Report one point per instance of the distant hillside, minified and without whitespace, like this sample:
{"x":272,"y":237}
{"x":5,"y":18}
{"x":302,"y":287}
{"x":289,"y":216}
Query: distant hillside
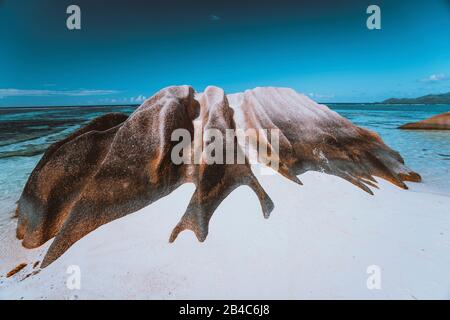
{"x":428,"y":99}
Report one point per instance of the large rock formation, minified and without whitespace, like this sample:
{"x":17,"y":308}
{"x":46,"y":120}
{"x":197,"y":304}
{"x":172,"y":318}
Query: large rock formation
{"x":438,"y":122}
{"x":117,"y":165}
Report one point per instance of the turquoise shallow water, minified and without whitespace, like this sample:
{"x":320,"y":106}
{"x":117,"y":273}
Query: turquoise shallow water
{"x":426,"y":152}
{"x":26,"y":133}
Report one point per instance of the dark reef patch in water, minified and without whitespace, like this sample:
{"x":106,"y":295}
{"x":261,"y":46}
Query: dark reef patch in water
{"x":26,"y":132}
{"x":16,"y":131}
{"x":27,"y":152}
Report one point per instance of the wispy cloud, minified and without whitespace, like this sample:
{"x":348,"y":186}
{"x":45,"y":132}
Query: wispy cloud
{"x":319,"y":96}
{"x":435,"y":78}
{"x":35,"y":92}
{"x":125,"y":100}
{"x":138,"y":99}
{"x":213,"y":17}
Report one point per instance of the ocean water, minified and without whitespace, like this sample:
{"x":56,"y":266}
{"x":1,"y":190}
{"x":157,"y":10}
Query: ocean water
{"x":25,"y":133}
{"x":424,"y":151}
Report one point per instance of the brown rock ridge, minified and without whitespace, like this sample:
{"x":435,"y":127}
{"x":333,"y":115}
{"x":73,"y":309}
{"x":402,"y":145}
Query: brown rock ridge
{"x":117,"y":165}
{"x":438,"y":122}
{"x":17,"y":269}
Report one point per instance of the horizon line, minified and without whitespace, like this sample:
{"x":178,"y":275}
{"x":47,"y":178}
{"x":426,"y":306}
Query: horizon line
{"x":136,"y":105}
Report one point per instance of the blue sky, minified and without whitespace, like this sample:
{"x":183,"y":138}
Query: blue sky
{"x":127,"y":50}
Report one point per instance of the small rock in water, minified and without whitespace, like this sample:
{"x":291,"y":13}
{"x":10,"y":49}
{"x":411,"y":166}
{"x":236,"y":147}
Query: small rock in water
{"x":16,"y":269}
{"x":438,"y":122}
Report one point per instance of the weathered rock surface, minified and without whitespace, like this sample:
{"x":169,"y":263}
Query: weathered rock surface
{"x":313,"y":137}
{"x":17,"y":269}
{"x":117,"y":165}
{"x":438,"y":122}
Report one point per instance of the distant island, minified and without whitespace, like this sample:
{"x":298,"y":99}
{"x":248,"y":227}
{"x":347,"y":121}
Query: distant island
{"x":428,"y":99}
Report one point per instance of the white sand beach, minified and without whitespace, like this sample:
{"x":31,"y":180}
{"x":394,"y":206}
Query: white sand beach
{"x":318,"y":243}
